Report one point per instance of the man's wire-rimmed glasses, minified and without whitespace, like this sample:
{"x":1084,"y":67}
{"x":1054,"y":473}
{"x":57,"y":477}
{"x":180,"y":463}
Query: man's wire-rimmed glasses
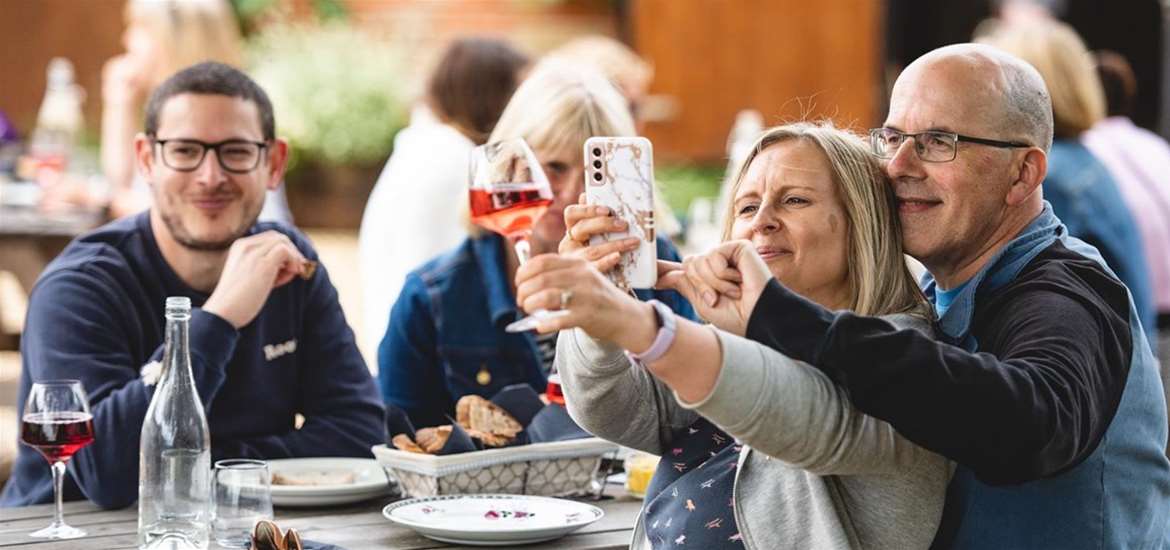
{"x":234,"y":155}
{"x":931,"y":145}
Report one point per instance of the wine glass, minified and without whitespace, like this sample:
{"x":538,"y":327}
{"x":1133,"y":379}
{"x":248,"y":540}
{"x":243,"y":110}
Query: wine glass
{"x":57,"y":423}
{"x":509,"y":192}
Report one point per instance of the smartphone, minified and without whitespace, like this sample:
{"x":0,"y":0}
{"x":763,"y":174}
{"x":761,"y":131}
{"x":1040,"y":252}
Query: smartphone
{"x":619,"y":174}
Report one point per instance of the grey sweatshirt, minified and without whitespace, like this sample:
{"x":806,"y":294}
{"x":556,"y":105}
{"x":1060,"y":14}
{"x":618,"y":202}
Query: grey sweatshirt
{"x":813,"y":472}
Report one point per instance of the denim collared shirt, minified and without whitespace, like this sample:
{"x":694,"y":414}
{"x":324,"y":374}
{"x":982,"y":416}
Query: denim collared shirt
{"x":446,"y":335}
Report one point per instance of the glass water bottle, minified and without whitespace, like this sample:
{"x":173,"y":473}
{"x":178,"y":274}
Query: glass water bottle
{"x":174,"y":461}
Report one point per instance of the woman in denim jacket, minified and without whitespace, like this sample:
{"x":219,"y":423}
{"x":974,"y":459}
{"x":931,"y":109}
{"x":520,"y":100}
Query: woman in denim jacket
{"x":446,"y":335}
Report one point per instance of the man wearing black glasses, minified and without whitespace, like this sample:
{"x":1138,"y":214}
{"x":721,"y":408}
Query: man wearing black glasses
{"x":268,"y":338}
{"x":1043,"y":388}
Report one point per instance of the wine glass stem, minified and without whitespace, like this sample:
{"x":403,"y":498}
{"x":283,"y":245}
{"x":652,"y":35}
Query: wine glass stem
{"x":523,"y":250}
{"x":58,"y":488}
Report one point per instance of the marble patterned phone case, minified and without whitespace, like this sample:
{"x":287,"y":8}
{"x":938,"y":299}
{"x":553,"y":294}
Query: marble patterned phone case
{"x":619,"y":174}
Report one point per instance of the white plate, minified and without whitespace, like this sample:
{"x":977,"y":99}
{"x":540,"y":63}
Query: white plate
{"x":369,"y":481}
{"x":492,"y":520}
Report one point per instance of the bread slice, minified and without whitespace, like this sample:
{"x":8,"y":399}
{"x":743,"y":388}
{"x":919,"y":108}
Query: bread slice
{"x":477,"y":414}
{"x":403,"y":442}
{"x":490,"y":439}
{"x":432,"y":439}
{"x":314,"y":477}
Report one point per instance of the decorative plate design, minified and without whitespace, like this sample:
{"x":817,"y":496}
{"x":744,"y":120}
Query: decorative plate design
{"x":492,"y":520}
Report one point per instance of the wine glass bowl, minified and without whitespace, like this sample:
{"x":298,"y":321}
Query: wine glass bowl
{"x":57,"y":435}
{"x":57,"y":423}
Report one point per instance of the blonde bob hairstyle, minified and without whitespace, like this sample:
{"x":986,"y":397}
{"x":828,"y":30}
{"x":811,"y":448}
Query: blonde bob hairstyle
{"x":187,"y":32}
{"x":879,"y":281}
{"x":1067,"y":66}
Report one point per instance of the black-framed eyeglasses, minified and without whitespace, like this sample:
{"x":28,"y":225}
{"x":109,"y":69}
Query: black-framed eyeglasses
{"x":234,"y":155}
{"x":931,"y":145}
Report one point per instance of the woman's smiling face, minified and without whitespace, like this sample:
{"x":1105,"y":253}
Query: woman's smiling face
{"x":788,"y":206}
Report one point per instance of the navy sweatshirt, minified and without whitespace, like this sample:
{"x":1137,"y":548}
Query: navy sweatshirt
{"x":96,"y":315}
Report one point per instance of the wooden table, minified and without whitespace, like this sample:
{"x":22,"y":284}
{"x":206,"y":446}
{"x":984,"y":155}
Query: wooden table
{"x":357,"y":527}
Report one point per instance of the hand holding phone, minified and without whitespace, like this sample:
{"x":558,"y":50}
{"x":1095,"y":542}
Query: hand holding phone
{"x":619,"y":174}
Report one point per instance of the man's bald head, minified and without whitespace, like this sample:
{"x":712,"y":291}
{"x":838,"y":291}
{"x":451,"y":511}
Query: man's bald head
{"x":1006,"y":93}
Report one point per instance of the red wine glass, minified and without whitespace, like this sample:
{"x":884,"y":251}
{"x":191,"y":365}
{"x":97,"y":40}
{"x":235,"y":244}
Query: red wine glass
{"x":57,"y":423}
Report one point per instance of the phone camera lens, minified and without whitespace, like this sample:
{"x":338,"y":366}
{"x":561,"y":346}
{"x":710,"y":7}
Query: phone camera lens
{"x":597,"y":151}
{"x":597,"y":164}
{"x":597,"y":176}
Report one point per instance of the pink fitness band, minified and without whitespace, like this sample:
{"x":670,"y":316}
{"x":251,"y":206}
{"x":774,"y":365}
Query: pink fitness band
{"x":662,"y":341}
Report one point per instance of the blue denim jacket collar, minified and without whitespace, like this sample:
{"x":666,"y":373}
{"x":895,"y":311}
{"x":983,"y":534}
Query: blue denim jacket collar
{"x":493,"y":265}
{"x":1003,"y":267}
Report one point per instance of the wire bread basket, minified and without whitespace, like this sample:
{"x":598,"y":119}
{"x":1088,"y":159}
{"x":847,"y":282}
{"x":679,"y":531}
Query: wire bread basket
{"x":560,"y":468}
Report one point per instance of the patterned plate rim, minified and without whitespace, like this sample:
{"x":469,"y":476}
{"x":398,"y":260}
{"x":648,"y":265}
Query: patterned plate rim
{"x":593,"y":513}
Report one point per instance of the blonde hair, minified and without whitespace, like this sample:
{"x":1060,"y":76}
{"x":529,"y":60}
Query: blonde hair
{"x":558,"y":107}
{"x":187,"y":32}
{"x":616,"y":61}
{"x":879,"y":281}
{"x":1061,"y":58}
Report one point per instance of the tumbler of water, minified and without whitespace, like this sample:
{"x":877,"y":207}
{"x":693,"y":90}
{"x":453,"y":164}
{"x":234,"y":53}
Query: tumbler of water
{"x":243,"y":496}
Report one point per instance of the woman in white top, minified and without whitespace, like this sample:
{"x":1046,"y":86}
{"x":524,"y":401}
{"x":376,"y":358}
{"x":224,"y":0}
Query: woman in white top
{"x":412,"y":213}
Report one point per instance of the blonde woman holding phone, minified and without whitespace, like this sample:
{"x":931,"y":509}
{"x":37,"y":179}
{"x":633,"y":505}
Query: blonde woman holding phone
{"x":758,"y":450}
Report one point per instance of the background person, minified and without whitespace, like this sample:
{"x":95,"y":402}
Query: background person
{"x":631,"y":75}
{"x":1140,"y":163}
{"x":409,"y":217}
{"x":446,"y":335}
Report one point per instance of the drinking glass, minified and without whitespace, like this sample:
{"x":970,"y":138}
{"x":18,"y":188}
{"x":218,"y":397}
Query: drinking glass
{"x":243,"y":496}
{"x":57,"y":423}
{"x":509,"y":193}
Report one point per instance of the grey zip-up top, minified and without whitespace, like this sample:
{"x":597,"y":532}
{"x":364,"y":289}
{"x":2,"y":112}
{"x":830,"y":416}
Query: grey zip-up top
{"x":813,"y":472}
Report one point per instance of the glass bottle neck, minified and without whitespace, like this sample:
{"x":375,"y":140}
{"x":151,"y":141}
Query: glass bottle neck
{"x":176,"y":355}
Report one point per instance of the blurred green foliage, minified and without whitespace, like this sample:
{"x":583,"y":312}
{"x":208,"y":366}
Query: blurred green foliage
{"x":253,"y":13}
{"x":336,"y":91}
{"x":681,"y":183}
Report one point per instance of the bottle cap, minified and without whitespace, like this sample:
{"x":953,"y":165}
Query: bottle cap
{"x":178,"y":305}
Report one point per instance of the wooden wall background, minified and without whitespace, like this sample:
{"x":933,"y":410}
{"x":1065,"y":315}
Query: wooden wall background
{"x":785,"y":58}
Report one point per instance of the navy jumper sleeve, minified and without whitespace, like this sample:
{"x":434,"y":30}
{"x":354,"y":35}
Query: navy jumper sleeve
{"x":75,"y":329}
{"x":1054,"y":354}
